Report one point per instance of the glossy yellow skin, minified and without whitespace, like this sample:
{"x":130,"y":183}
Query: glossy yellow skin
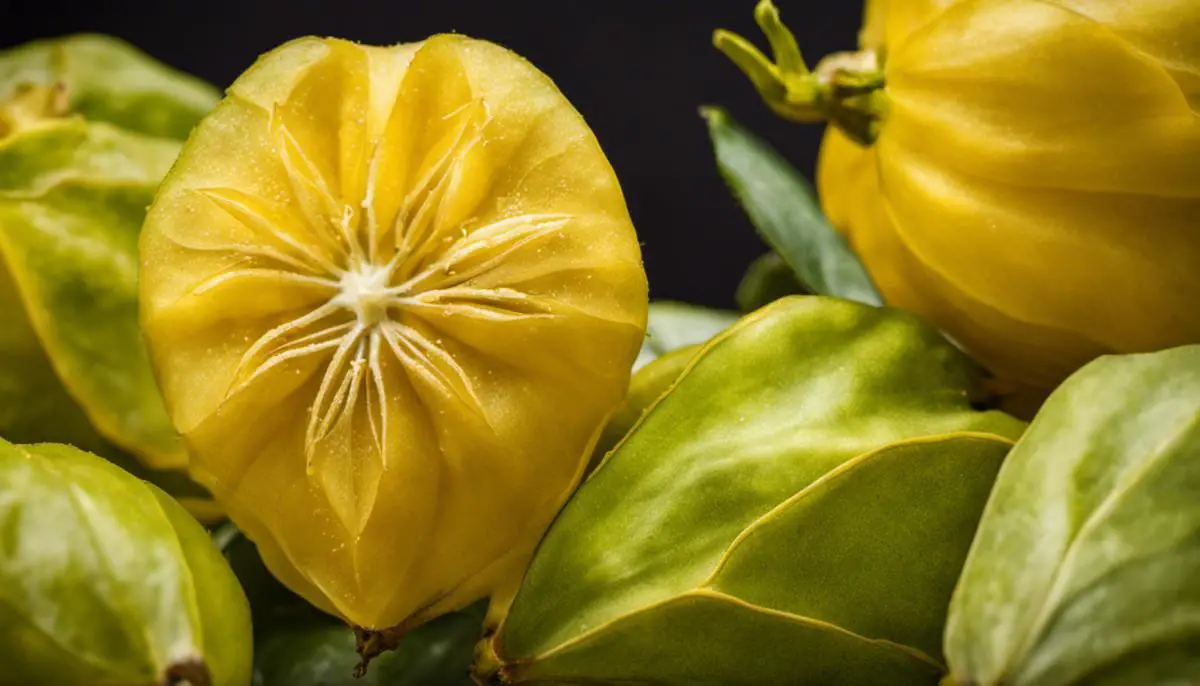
{"x":1035,"y":186}
{"x":392,"y":294}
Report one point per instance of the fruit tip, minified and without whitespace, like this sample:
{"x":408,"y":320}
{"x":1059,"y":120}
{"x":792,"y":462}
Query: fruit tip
{"x":191,"y":670}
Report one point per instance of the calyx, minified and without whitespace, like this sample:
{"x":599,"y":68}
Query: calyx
{"x":845,"y":89}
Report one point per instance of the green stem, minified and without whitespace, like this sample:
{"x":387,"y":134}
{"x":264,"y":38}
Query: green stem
{"x":487,"y":667}
{"x":846,"y":89}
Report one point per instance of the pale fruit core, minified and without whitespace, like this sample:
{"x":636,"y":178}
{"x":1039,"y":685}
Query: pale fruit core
{"x":364,"y":290}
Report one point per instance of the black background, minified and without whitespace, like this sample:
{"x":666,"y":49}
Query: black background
{"x":637,"y":70}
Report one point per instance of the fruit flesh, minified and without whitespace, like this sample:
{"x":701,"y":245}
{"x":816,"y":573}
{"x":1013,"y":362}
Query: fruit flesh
{"x":391,"y":294}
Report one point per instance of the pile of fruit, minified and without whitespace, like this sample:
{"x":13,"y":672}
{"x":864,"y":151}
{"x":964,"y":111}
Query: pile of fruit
{"x":373,"y":391}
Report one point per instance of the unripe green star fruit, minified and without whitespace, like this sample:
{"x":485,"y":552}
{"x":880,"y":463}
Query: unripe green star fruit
{"x":105,"y":579}
{"x":794,"y":509}
{"x":674,"y":332}
{"x":392,"y":293}
{"x":1086,"y":567}
{"x":646,"y":386}
{"x":88,"y":127}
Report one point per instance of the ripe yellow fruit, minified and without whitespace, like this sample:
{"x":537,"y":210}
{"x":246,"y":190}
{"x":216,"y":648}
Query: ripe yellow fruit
{"x":1023,"y":173}
{"x":392,"y":294}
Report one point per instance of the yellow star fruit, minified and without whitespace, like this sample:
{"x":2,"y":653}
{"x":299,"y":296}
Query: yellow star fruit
{"x":391,"y":294}
{"x":1023,"y":173}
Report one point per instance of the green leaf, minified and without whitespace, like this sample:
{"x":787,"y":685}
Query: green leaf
{"x":767,"y":279}
{"x":1086,"y":569}
{"x":782,"y":206}
{"x":323,"y":654}
{"x":795,"y":509}
{"x":106,"y":579}
{"x":674,"y":325}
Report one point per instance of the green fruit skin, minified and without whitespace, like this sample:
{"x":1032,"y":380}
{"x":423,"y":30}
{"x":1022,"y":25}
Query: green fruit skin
{"x":74,"y":187}
{"x":74,"y":196}
{"x":1086,"y":569}
{"x":108,"y":80}
{"x":674,"y":333}
{"x":795,"y":509}
{"x":105,"y":579}
{"x":646,"y":386}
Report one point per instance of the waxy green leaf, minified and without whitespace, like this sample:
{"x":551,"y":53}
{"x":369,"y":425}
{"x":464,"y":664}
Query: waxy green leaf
{"x":323,"y":654}
{"x":674,"y":325}
{"x":104,"y":579}
{"x":783,"y":207}
{"x":795,"y":509}
{"x":766,"y":280}
{"x":1086,"y":569}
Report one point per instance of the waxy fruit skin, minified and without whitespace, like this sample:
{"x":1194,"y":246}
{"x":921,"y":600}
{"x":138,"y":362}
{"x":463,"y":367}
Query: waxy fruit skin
{"x":392,"y":295}
{"x":1084,"y":570}
{"x":88,"y":127}
{"x":105,"y":579}
{"x":794,"y":508}
{"x":1035,"y":186}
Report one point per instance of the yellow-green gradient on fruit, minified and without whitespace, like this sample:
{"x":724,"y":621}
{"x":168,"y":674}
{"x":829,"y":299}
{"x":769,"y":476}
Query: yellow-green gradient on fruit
{"x":1084,"y":569}
{"x":105,"y":579}
{"x":794,"y":508}
{"x":88,"y":127}
{"x":1034,"y":184}
{"x":392,"y":294}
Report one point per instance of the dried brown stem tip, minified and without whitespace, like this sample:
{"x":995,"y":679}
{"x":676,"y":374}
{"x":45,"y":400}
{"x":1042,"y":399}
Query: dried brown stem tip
{"x":190,"y":672}
{"x":371,"y":644}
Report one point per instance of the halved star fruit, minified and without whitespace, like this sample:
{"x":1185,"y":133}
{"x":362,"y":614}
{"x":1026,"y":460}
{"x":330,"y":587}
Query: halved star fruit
{"x":392,"y":294}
